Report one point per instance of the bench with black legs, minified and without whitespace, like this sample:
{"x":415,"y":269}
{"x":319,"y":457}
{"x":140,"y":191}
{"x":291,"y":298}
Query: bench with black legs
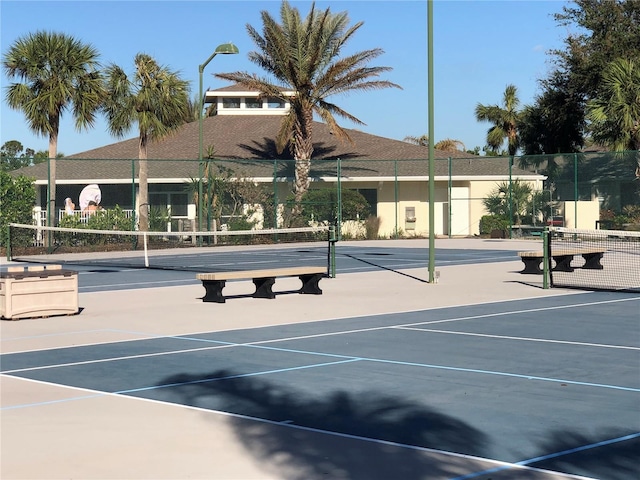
{"x":263,"y":280}
{"x":562,"y":259}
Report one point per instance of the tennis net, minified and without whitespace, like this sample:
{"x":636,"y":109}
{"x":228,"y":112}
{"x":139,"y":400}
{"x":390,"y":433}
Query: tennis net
{"x":189,"y":251}
{"x":594,"y":259}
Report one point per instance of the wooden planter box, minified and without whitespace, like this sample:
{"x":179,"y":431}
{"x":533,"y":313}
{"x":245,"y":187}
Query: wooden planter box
{"x":38,"y":292}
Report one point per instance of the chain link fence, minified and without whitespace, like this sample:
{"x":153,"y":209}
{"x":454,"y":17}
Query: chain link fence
{"x":492,"y":196}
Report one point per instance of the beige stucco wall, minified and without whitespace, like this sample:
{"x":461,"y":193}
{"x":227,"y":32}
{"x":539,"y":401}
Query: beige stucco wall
{"x":415,"y":194}
{"x":394,"y":200}
{"x":588,"y":213}
{"x":478,"y":191}
{"x":410,"y":195}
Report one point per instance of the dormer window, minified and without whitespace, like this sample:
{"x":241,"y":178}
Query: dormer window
{"x":275,"y":103}
{"x":253,"y":102}
{"x":235,"y":100}
{"x":231,"y":102}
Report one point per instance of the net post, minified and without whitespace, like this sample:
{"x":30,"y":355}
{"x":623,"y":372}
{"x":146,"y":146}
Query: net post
{"x":546,"y":248}
{"x":332,"y":251}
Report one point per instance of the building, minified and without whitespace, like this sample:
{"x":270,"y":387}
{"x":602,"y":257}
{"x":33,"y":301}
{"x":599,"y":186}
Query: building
{"x":391,"y":174}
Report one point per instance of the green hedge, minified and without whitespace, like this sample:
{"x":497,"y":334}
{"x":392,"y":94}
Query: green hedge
{"x":490,"y":223}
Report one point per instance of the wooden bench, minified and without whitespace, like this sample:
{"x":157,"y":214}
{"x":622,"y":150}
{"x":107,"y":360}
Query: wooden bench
{"x":263,"y":280}
{"x":562,"y":258}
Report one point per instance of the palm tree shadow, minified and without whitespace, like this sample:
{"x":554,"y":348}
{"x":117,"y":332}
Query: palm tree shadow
{"x":306,"y":437}
{"x":323,"y":163}
{"x":615,"y":461}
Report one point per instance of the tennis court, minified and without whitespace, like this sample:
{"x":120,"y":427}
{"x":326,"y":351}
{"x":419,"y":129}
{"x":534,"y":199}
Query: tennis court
{"x":484,"y":375}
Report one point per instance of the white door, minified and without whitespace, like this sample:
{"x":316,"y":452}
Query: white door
{"x":459,"y":211}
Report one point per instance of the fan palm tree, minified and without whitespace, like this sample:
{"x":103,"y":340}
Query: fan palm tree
{"x":156,"y":99}
{"x":303,"y":55}
{"x":505,"y":120}
{"x":615,"y":112}
{"x":57,"y":73}
{"x":508,"y":199}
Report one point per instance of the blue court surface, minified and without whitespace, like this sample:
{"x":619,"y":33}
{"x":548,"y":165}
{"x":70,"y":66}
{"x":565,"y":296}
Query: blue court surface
{"x":548,"y":383}
{"x":101,"y":274}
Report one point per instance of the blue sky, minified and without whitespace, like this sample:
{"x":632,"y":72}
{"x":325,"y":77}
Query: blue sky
{"x":479,"y":47}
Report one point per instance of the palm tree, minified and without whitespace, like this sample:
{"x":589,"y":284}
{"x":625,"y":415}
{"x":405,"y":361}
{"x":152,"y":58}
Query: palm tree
{"x":304,"y":56}
{"x":446,"y":145}
{"x":193,"y":110}
{"x":450,"y":145}
{"x":422,"y":140}
{"x":56,"y":73}
{"x":510,"y":199}
{"x":156,"y":99}
{"x":615,"y":112}
{"x":505,"y":120}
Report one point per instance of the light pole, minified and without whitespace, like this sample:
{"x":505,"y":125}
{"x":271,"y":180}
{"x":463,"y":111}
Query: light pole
{"x":224,"y":49}
{"x":432,"y":264}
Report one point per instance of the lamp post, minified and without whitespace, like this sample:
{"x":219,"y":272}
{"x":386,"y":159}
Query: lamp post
{"x":432,"y":188}
{"x":224,"y":49}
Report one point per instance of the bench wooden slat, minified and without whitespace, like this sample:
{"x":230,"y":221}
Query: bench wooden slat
{"x":264,"y":273}
{"x":263,"y":280}
{"x":558,"y":252}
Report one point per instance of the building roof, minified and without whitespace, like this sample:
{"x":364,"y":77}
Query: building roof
{"x":246,"y":145}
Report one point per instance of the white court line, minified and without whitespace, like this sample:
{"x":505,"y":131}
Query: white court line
{"x":124,"y":357}
{"x":431,"y":322}
{"x":287,"y":424}
{"x":399,"y":312}
{"x":412,"y":265}
{"x":59,"y":334}
{"x":526,"y":339}
{"x":146,"y":284}
{"x":262,"y":343}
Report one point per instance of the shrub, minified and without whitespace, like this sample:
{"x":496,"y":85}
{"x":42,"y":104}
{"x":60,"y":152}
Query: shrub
{"x":321,"y":205}
{"x":628,"y":217}
{"x":159,"y":218}
{"x":490,"y":223}
{"x":17,"y":198}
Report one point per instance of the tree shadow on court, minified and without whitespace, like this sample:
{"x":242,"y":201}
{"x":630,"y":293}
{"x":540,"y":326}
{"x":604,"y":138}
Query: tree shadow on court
{"x":617,"y":461}
{"x":292,"y":441}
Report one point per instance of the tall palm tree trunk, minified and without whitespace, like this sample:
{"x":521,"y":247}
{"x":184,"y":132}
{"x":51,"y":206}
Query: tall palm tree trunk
{"x":302,"y":152}
{"x":51,"y":201}
{"x":51,"y":205}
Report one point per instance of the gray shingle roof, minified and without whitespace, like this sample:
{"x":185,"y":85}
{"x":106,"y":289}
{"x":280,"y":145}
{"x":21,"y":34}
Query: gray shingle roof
{"x":249,"y":142}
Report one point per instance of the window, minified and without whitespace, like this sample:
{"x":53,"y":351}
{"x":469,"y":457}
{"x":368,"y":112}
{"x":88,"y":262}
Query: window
{"x":371,"y":194}
{"x":230,"y":103}
{"x":253,"y":103}
{"x":275,"y":103}
{"x":163,"y":197}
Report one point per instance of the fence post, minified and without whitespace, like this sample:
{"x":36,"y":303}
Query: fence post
{"x":275,"y":194}
{"x":450,"y":202}
{"x":510,"y":197}
{"x":339,"y":193}
{"x":546,"y":258}
{"x":133,"y":194}
{"x":395,"y":196}
{"x":575,"y":190}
